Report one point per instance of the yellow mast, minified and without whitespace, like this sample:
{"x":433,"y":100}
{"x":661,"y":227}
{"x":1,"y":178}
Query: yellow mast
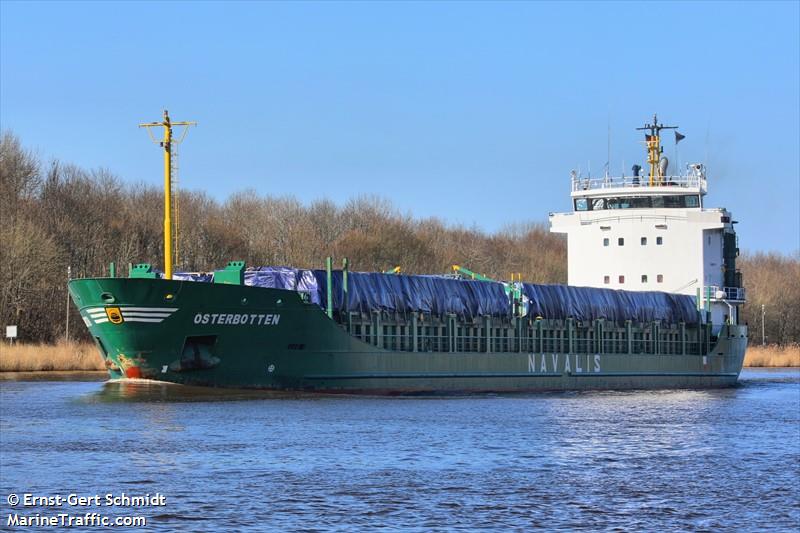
{"x":653,"y":156}
{"x":654,"y":150}
{"x":166,"y":144}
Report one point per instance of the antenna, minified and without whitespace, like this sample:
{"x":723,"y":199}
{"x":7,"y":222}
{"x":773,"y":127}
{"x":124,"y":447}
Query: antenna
{"x":654,"y":149}
{"x":169,"y":205}
{"x":608,"y":146}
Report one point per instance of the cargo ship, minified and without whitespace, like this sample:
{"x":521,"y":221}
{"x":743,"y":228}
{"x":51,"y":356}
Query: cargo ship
{"x":651,"y":302}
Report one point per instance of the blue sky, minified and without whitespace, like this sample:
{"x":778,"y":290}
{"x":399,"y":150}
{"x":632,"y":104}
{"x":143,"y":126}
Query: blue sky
{"x":472,"y":112}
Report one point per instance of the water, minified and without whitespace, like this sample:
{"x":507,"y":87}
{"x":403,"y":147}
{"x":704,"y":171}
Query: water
{"x":668,"y":460}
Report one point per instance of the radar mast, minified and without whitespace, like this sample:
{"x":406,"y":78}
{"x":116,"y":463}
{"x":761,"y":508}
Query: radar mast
{"x":654,"y":149}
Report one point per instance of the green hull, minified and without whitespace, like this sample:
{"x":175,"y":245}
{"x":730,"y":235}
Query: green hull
{"x":249,"y":337}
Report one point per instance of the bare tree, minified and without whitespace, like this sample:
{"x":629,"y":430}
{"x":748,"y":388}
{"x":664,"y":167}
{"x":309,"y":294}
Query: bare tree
{"x":60,"y":215}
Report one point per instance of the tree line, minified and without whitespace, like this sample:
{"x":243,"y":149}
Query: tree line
{"x":57,"y":215}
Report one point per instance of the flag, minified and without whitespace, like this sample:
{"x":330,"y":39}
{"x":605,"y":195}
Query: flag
{"x":678,"y":137}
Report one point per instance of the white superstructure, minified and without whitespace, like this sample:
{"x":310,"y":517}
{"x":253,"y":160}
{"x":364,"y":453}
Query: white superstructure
{"x":653,"y":233}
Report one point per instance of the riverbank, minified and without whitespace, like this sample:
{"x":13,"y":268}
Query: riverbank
{"x":772,"y":356}
{"x":84,"y":357}
{"x":61,"y":357}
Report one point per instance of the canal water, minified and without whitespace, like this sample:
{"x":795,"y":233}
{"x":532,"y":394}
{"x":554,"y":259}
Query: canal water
{"x":659,"y":460}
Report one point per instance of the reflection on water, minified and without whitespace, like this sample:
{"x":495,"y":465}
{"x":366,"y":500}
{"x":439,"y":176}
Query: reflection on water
{"x":158,"y":391}
{"x":141,"y":390}
{"x":228,"y":459}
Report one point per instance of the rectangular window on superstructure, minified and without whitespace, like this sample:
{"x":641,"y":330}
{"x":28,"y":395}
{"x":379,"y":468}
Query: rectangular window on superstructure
{"x":606,"y":279}
{"x":581,"y":204}
{"x":676,"y":201}
{"x":614,"y":203}
{"x":660,"y":278}
{"x":644,"y":278}
{"x":622,"y":279}
{"x":659,"y":241}
{"x":629,"y":202}
{"x":605,"y":241}
{"x":598,"y":204}
{"x":621,"y":241}
{"x":644,"y":241}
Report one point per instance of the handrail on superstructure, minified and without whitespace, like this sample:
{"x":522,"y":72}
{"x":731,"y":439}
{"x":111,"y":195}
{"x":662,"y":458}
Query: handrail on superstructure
{"x":733,"y":294}
{"x":637,"y":182}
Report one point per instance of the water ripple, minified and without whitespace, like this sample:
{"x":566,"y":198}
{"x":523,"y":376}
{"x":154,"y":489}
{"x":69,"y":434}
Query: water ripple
{"x":613,"y":461}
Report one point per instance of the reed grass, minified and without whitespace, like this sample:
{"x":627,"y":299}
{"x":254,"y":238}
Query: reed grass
{"x":84,"y":356}
{"x":62,"y":356}
{"x":773,"y":355}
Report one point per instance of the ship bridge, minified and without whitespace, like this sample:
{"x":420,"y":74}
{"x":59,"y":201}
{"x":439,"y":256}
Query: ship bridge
{"x":653,"y":232}
{"x":637,"y":192}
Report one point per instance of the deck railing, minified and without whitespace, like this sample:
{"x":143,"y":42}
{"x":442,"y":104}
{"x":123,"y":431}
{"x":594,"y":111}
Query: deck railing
{"x":733,"y":294}
{"x":641,"y":182}
{"x":491,"y":335}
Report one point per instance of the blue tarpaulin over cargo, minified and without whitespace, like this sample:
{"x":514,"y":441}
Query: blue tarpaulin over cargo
{"x":589,"y":303}
{"x":368,"y":291}
{"x":293,"y":279}
{"x":205,"y":277}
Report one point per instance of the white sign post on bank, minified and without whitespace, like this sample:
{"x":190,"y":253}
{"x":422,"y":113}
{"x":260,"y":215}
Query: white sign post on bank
{"x":11,"y":333}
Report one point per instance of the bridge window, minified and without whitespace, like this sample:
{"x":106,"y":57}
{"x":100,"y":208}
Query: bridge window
{"x":629,"y":202}
{"x":660,"y":278}
{"x":622,"y":279}
{"x":605,"y":241}
{"x":668,"y":201}
{"x":638,"y":202}
{"x":672,"y":201}
{"x":621,"y":241}
{"x":644,"y":278}
{"x":644,"y":241}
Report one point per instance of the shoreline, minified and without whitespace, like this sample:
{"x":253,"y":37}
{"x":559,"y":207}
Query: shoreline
{"x":54,"y":375}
